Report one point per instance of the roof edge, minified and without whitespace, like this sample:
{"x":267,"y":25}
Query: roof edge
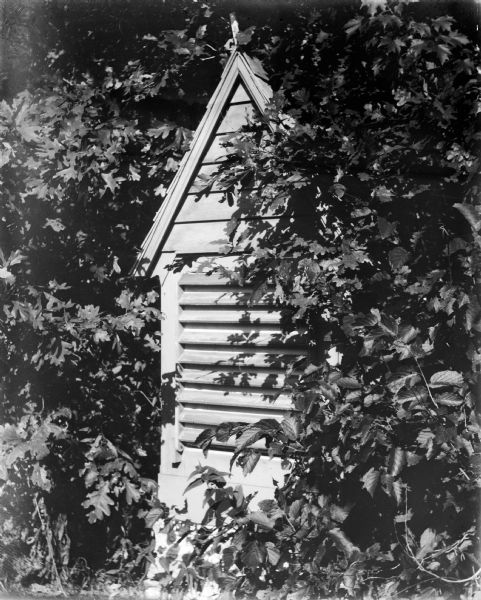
{"x":254,"y":78}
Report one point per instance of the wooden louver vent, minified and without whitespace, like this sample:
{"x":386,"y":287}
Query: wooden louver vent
{"x":233,"y":356}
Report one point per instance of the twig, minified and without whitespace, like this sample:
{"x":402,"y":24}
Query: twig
{"x":50,"y":547}
{"x":424,"y":378}
{"x":421,"y":567}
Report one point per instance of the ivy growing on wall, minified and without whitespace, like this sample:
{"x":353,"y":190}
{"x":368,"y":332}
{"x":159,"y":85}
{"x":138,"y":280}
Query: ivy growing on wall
{"x":377,"y":159}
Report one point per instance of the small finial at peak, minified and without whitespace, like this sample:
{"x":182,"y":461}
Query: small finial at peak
{"x":234,"y":25}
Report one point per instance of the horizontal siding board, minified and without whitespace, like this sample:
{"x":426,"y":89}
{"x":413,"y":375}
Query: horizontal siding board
{"x":188,"y":435}
{"x":186,"y":238}
{"x":196,"y":416}
{"x":204,"y":279}
{"x":237,"y":116}
{"x":247,"y":350}
{"x":203,"y":179}
{"x":211,"y":236}
{"x":242,"y":379}
{"x":219,"y":315}
{"x":212,"y":206}
{"x":234,"y":358}
{"x":240,"y":94}
{"x":238,"y":399}
{"x":221,"y":298}
{"x":239,"y":337}
{"x":219,"y":148}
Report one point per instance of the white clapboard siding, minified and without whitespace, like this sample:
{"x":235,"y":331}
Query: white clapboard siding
{"x":189,"y":433}
{"x":220,"y":148}
{"x":237,"y":115}
{"x":240,"y":94}
{"x":227,"y":377}
{"x":225,"y":353}
{"x":233,"y":358}
{"x":221,"y":315}
{"x":211,"y":236}
{"x":209,"y":207}
{"x":213,"y":206}
{"x":209,"y":396}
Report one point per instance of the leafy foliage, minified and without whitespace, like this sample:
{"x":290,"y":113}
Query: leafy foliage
{"x":379,"y":153}
{"x":377,"y":157}
{"x":82,"y":168}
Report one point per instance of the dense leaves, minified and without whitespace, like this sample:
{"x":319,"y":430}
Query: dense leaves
{"x":377,"y":156}
{"x":82,"y":171}
{"x":373,"y":146}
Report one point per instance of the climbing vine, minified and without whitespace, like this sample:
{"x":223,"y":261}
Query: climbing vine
{"x":372,"y":167}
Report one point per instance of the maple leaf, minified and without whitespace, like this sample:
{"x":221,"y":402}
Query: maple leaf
{"x":111,"y":181}
{"x":132,"y":492}
{"x":99,"y":502}
{"x":55,"y":224}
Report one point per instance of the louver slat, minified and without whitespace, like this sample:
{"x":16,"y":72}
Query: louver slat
{"x":266,"y":400}
{"x":254,"y":317}
{"x":240,"y":336}
{"x":233,"y":357}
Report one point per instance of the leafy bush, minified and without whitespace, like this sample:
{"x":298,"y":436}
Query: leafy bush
{"x":80,"y":337}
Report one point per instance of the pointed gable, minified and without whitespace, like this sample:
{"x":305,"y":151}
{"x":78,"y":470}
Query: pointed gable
{"x":241,"y":93}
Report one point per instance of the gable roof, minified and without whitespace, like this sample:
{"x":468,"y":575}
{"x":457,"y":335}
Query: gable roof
{"x":241,"y":68}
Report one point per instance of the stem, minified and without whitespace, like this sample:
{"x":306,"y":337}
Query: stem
{"x":410,"y":553}
{"x":424,"y":379}
{"x":48,"y":535}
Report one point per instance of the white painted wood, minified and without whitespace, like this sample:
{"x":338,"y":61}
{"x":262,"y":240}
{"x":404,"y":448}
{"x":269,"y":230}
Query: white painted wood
{"x":211,"y":207}
{"x":239,"y":68}
{"x":240,"y":94}
{"x":266,"y":399}
{"x":220,"y":315}
{"x":172,"y":486}
{"x":203,"y":179}
{"x":213,"y":297}
{"x":219,"y":148}
{"x":170,"y":351}
{"x":237,"y":116}
{"x":212,"y":236}
{"x":207,"y":278}
{"x":239,"y":337}
{"x":189,"y":433}
{"x":232,"y":357}
{"x":197,"y":238}
{"x":244,"y":379}
{"x":222,"y":359}
{"x":210,"y":417}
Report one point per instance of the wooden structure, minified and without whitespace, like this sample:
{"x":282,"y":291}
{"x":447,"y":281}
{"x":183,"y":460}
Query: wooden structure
{"x":222,"y":358}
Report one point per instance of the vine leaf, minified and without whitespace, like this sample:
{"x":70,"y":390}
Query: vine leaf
{"x":471,"y":213}
{"x":370,"y":480}
{"x":260,"y":518}
{"x":100,"y":502}
{"x":343,"y":542}
{"x":249,"y":462}
{"x":253,"y":555}
{"x":291,"y":427}
{"x":132,"y":493}
{"x":153,"y":516}
{"x":445,"y":378}
{"x":397,"y":460}
{"x":449,"y":399}
{"x":398,"y":257}
{"x":273,"y":553}
{"x":426,"y":543}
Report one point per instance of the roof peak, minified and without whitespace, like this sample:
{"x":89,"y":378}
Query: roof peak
{"x":240,"y":66}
